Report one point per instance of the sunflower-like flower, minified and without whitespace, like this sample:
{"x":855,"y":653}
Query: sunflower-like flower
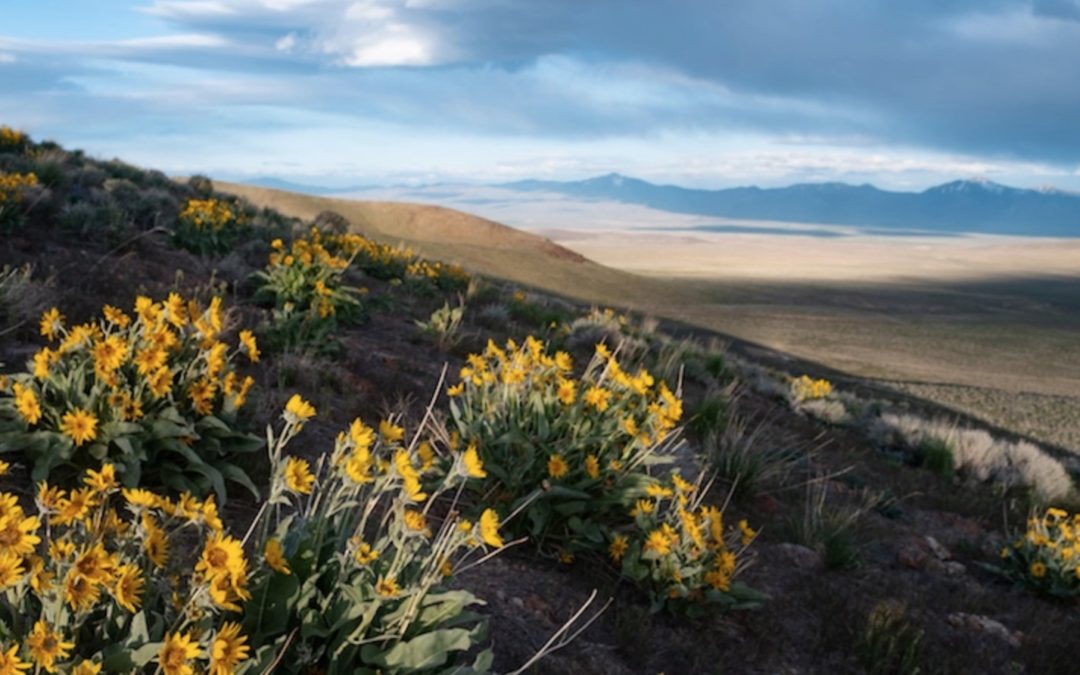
{"x":128,"y":588}
{"x":52,"y":323}
{"x":26,"y":403}
{"x":79,"y":425}
{"x":47,"y":646}
{"x":228,"y":649}
{"x":387,"y":587}
{"x":17,"y":532}
{"x":177,"y":653}
{"x":248,"y":344}
{"x":557,"y":466}
{"x":11,"y":569}
{"x":274,"y":553}
{"x":298,"y":411}
{"x":298,"y":477}
{"x":10,"y":663}
{"x":489,"y":528}
{"x":103,"y":480}
{"x":472,"y":464}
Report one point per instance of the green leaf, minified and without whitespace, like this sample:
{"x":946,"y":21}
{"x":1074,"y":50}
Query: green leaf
{"x":422,"y":652}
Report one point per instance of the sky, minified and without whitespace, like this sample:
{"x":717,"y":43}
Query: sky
{"x":704,"y":93}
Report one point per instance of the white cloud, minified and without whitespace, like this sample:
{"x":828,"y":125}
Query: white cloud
{"x":286,"y":43}
{"x":7,"y":58}
{"x":391,"y":51}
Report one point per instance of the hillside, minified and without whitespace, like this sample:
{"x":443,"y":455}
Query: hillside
{"x":960,"y":206}
{"x":809,"y":527}
{"x":481,"y":245}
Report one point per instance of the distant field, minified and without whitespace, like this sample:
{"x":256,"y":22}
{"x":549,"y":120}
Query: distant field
{"x":986,"y":326}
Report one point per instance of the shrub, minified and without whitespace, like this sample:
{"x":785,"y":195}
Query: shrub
{"x":156,"y":394}
{"x":979,"y":456}
{"x":806,"y":388}
{"x":22,"y":298}
{"x":332,"y":222}
{"x":401,"y":263}
{"x":681,"y":552}
{"x":1046,"y":558}
{"x":92,"y":586}
{"x":829,"y":528}
{"x":210,"y":226}
{"x":13,"y":187}
{"x":344,"y":570}
{"x":202,"y":186}
{"x":827,"y":410}
{"x":13,"y":140}
{"x":357,"y":560}
{"x":711,"y":415}
{"x":96,"y":217}
{"x":444,"y":325}
{"x":751,"y":457}
{"x":937,"y":455}
{"x":889,"y":644}
{"x":570,"y":452}
{"x":306,"y":285}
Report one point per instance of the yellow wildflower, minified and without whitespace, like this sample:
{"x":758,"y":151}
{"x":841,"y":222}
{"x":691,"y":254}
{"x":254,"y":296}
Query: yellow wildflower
{"x":274,"y":553}
{"x":298,"y":477}
{"x":489,"y":528}
{"x":228,"y":650}
{"x":557,"y":466}
{"x":298,"y":411}
{"x":79,"y":425}
{"x":177,"y":653}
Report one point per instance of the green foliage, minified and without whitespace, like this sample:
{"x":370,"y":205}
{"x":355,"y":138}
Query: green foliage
{"x":13,"y":189}
{"x":573,"y":453}
{"x":535,"y":315}
{"x":359,"y":583}
{"x":829,"y":528}
{"x":751,"y":457}
{"x":210,"y":226}
{"x":710,"y":416}
{"x":444,"y":325}
{"x":1046,"y":558}
{"x":889,"y":644}
{"x":681,"y":553}
{"x":102,"y":584}
{"x":937,"y":456}
{"x":157,"y":395}
{"x":306,"y":286}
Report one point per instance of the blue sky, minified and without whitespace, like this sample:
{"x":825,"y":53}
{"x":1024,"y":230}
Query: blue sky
{"x":696,"y":92}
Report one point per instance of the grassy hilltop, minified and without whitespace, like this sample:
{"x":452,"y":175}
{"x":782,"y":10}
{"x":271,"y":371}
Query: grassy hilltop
{"x":465,"y":445}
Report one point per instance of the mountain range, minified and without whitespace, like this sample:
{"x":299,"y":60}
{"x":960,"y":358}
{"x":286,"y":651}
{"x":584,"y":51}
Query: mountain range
{"x":960,"y":206}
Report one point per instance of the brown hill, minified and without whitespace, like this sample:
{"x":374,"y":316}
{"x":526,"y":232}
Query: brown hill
{"x":480,"y":245}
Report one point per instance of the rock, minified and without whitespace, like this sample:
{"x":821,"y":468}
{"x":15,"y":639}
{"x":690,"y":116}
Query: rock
{"x":914,"y":554}
{"x":954,"y":568}
{"x":800,"y":557}
{"x":987,"y":626}
{"x":939,"y":551}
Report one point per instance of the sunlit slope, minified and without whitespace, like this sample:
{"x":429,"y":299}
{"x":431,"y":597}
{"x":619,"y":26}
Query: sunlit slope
{"x":480,"y":245}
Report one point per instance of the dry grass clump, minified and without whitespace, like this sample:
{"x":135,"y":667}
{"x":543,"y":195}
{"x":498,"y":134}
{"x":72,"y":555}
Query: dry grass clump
{"x":22,"y":298}
{"x":979,"y":456}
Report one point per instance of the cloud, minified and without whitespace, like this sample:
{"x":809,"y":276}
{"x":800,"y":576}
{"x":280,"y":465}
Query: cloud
{"x":972,"y":82}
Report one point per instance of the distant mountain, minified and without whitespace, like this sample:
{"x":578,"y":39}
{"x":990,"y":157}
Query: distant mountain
{"x":960,"y":206}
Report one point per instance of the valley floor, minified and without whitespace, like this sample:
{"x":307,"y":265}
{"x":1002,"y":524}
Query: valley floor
{"x":987,"y":326}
